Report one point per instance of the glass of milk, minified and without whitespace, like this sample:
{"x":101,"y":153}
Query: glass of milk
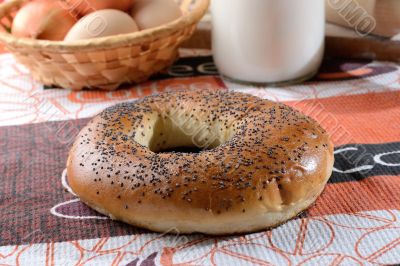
{"x":268,"y":41}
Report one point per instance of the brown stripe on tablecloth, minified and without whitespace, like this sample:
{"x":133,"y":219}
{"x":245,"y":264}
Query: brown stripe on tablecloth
{"x":32,"y":158}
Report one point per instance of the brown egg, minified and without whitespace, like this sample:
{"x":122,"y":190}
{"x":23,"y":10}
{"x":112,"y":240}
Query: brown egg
{"x":43,"y":19}
{"x":102,"y":23}
{"x":153,"y":13}
{"x":85,"y":7}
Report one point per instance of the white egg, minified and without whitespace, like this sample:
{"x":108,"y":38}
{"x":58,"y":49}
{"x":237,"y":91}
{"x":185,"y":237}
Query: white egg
{"x":153,"y":13}
{"x":102,"y":23}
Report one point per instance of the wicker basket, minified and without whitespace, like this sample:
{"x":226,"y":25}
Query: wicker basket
{"x":102,"y":63}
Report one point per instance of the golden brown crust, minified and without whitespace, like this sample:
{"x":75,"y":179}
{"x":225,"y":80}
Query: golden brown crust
{"x":267,"y":162}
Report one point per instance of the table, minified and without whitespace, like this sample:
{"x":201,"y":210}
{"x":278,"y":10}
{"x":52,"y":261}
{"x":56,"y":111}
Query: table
{"x":355,"y":221}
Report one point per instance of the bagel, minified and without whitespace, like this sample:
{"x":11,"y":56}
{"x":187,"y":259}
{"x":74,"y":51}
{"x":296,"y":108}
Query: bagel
{"x":260,"y":163}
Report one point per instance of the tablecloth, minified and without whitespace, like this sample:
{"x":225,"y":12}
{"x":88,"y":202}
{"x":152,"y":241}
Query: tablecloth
{"x":356,"y":221}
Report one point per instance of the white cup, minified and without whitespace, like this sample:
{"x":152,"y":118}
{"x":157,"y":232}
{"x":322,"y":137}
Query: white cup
{"x":268,"y":41}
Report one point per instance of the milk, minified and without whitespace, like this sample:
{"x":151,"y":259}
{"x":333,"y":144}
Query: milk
{"x":268,"y":41}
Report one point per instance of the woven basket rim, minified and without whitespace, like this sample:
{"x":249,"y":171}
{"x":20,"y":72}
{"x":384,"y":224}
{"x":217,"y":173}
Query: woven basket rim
{"x":188,"y":18}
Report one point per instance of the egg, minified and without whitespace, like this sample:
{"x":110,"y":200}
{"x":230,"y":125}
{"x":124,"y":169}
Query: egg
{"x":43,"y":19}
{"x":102,"y":23}
{"x":85,"y":7}
{"x":153,"y":13}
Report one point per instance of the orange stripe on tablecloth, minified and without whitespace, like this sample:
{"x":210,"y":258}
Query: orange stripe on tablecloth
{"x":147,"y":88}
{"x":365,"y":118}
{"x":373,"y":193}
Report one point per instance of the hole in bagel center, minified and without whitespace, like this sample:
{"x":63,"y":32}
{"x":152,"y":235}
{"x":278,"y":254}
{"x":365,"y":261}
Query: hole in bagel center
{"x":183,"y":149}
{"x":182,"y":132}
